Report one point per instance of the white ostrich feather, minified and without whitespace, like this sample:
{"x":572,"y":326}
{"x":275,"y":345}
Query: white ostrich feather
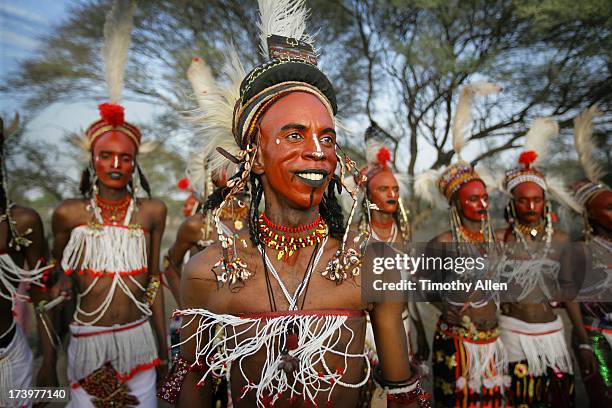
{"x":373,"y":146}
{"x":83,"y":145}
{"x":117,"y":31}
{"x":585,"y":145}
{"x":463,"y":114}
{"x":538,"y":137}
{"x":489,"y":178}
{"x":213,"y":118}
{"x":286,"y":18}
{"x":426,"y":188}
{"x":202,"y":81}
{"x":559,"y":192}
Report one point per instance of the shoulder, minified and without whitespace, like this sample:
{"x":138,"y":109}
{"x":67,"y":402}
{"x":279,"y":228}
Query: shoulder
{"x":198,"y":281}
{"x":446,"y":236}
{"x":153,"y":205}
{"x":190,"y":229}
{"x":71,"y":211}
{"x":25,"y":215}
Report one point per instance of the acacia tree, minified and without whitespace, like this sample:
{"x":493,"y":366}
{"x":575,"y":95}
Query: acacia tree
{"x":399,"y":62}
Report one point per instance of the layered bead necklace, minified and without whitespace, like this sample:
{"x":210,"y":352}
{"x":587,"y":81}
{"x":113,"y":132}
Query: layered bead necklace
{"x":273,"y":236}
{"x":113,"y":212}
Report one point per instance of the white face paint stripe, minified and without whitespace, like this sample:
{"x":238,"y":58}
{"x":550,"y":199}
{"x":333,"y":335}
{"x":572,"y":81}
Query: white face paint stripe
{"x":116,"y":163}
{"x":316,"y":140}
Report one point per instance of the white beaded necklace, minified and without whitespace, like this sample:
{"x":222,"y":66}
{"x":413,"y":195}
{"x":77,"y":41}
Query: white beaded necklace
{"x":293,"y":300}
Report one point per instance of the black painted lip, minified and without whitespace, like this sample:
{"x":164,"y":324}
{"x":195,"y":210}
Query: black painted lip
{"x":115,"y":175}
{"x":312,"y":183}
{"x":392,"y":202}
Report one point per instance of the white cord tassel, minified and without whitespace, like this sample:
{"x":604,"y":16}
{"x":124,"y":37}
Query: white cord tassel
{"x":105,"y":249}
{"x":545,"y":351}
{"x":138,"y":348}
{"x":232,"y":340}
{"x":11,"y":275}
{"x":486,"y":365}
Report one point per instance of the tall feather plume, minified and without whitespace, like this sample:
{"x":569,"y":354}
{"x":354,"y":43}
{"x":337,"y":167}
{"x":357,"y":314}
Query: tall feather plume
{"x":214,"y":115}
{"x":463,"y":114}
{"x":202,"y":81}
{"x":426,"y":188}
{"x":585,"y":145}
{"x":117,"y":32}
{"x":286,"y":18}
{"x":559,"y":192}
{"x":538,"y":137}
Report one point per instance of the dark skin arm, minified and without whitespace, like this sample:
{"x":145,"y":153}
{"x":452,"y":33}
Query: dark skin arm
{"x":196,"y":288}
{"x":390,"y":337}
{"x":61,"y":226}
{"x":391,"y":342}
{"x":187,"y":236}
{"x":158,"y":209}
{"x":35,"y":252}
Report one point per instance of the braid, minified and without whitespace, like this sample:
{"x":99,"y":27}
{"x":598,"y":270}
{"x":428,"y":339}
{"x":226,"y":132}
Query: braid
{"x":85,"y":184}
{"x":256,"y":196}
{"x":144,"y":183}
{"x":214,"y":199}
{"x":331,"y":211}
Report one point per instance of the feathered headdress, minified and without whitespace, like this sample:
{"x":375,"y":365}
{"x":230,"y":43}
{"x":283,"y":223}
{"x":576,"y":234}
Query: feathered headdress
{"x":585,"y":146}
{"x":117,"y":34}
{"x":437,"y":186}
{"x":536,"y":149}
{"x":243,"y":99}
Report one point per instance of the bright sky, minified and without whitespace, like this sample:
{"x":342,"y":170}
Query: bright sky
{"x":22,"y":26}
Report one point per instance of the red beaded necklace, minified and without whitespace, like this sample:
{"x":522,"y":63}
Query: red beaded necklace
{"x":289,"y":245}
{"x":113,"y":211}
{"x":294,"y":230}
{"x":471,"y":236}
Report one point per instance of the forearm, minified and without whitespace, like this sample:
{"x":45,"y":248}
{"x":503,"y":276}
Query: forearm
{"x":573,"y":311}
{"x":159,"y":324}
{"x":173,"y":279}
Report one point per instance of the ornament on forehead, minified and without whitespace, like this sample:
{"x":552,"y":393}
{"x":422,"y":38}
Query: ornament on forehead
{"x":585,"y":190}
{"x":536,"y":149}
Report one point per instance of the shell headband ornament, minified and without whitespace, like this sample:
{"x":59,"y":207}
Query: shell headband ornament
{"x":231,"y":108}
{"x":585,"y":145}
{"x":535,"y":151}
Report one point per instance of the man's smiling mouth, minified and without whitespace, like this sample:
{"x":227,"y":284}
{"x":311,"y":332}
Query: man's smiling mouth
{"x":312,"y":177}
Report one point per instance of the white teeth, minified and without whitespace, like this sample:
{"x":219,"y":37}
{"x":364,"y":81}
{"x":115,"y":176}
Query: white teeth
{"x":312,"y":176}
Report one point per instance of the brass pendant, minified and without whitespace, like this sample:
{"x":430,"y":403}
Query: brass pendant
{"x":238,"y":224}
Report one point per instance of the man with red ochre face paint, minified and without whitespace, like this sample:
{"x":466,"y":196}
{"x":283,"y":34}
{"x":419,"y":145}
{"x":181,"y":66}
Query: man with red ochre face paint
{"x":536,"y":257}
{"x":384,"y":219}
{"x":467,"y":354}
{"x":595,"y":200}
{"x":288,"y":331}
{"x":22,"y":242}
{"x":108,"y":247}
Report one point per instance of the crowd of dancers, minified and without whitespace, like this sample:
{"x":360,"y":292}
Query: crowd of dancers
{"x":267,"y":267}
